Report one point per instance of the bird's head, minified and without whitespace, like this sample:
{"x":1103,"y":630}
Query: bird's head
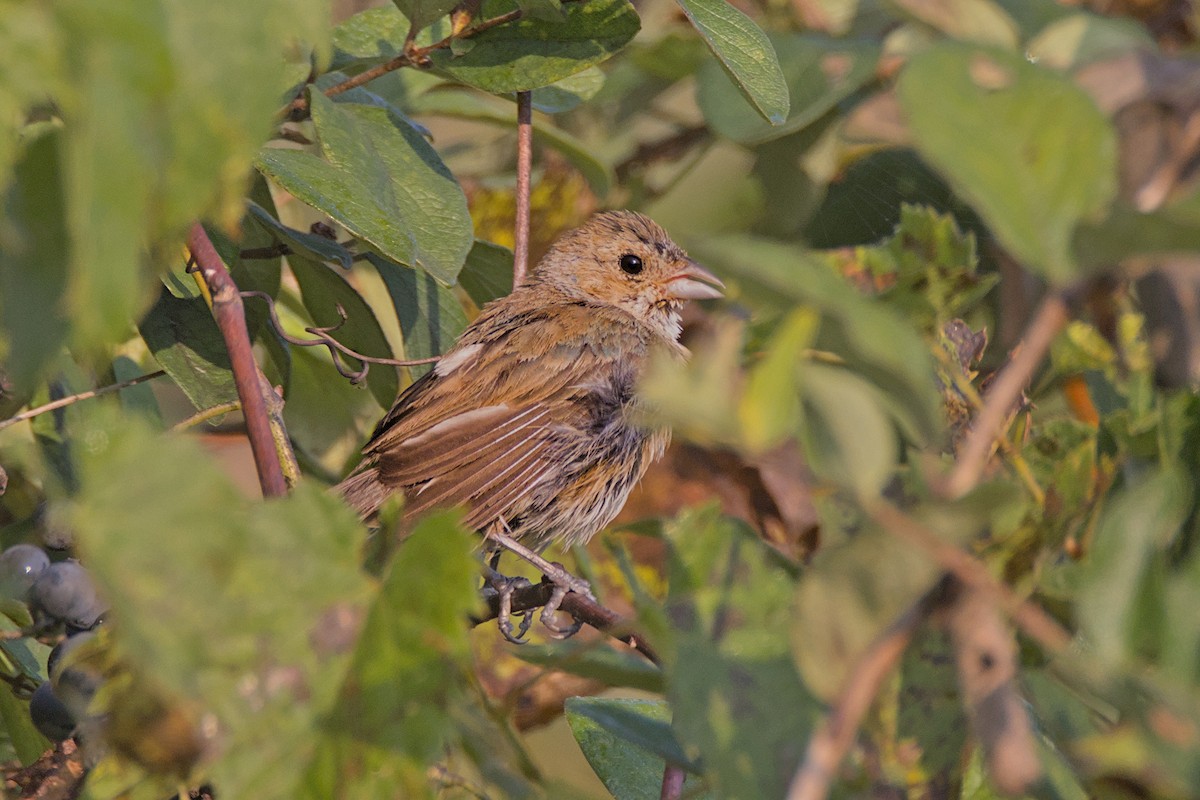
{"x":624,"y":259}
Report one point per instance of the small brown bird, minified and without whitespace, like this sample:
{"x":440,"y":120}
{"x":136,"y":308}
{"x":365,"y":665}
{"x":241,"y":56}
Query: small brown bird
{"x":528,"y":420}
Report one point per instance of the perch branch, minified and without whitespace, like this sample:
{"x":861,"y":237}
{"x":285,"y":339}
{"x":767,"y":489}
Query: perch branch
{"x":62,"y":402}
{"x":524,"y":168}
{"x":230,"y":315}
{"x":336,"y":348}
{"x":588,"y":611}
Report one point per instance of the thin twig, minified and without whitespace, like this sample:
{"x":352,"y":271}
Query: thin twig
{"x":231,"y":319}
{"x":75,"y":398}
{"x":830,"y":742}
{"x":971,"y":572}
{"x":336,"y":348}
{"x":1051,"y":317}
{"x":206,"y":415}
{"x":987,"y":657}
{"x":297,"y":109}
{"x":524,"y":168}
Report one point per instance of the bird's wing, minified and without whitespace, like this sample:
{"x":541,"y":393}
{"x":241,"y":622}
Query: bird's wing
{"x":461,"y":439}
{"x":501,"y":413}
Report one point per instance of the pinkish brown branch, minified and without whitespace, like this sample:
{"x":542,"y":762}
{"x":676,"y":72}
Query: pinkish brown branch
{"x":231,"y":319}
{"x":524,"y":168}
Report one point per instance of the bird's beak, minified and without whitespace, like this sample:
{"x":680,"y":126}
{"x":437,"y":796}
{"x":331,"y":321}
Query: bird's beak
{"x":686,"y":283}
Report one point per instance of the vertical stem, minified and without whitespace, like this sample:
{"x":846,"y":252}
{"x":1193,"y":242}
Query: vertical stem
{"x":672,"y":783}
{"x":231,"y":319}
{"x":524,"y":167}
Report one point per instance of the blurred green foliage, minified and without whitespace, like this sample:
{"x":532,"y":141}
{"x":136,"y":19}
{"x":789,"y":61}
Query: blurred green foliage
{"x":861,"y":174}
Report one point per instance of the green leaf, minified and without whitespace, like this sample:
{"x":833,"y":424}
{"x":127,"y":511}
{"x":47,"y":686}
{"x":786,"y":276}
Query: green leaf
{"x":844,"y":600}
{"x":569,"y":92}
{"x":730,"y":672}
{"x":160,"y":133}
{"x":614,"y":668}
{"x":18,"y":728}
{"x":487,"y":274}
{"x":324,"y":291}
{"x":369,"y":37}
{"x":31,"y":62}
{"x":413,"y":653}
{"x":626,"y":720}
{"x":1081,"y":38}
{"x":745,"y":52}
{"x":627,"y":770}
{"x":468,"y":105}
{"x":1032,"y":183}
{"x":383,"y":182}
{"x":310,"y":245}
{"x":187,"y":343}
{"x":534,"y":52}
{"x":929,"y":709}
{"x":431,"y":316}
{"x":327,"y":418}
{"x":34,"y":254}
{"x":769,"y":409}
{"x":875,"y":341}
{"x":423,"y":13}
{"x":846,"y":432}
{"x":1120,"y":603}
{"x":819,"y":73}
{"x":258,"y":274}
{"x":139,"y":399}
{"x":979,"y":21}
{"x":1126,"y":232}
{"x":246,"y":608}
{"x":698,"y":397}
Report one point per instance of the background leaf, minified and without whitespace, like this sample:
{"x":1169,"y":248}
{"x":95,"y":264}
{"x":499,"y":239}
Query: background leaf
{"x":34,"y":255}
{"x":745,"y":52}
{"x":187,"y":343}
{"x":412,"y":210}
{"x":1031,"y":182}
{"x":628,"y":770}
{"x":818,"y":74}
{"x":537,"y":52}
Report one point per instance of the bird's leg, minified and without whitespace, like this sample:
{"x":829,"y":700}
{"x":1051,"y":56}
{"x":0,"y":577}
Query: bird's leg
{"x":563,"y":582}
{"x":504,"y":587}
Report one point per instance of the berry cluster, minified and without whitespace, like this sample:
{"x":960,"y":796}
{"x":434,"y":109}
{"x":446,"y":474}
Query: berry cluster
{"x":59,"y":596}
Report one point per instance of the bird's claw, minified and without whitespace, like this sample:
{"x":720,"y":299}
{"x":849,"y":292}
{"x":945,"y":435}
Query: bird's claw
{"x":563,"y":582}
{"x":551,"y":608}
{"x":505,"y":587}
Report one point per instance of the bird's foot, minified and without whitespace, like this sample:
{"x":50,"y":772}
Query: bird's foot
{"x":504,"y":587}
{"x":554,"y":573}
{"x":563,"y":582}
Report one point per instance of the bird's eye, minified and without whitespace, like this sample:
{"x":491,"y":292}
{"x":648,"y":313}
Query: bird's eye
{"x":631,"y":263}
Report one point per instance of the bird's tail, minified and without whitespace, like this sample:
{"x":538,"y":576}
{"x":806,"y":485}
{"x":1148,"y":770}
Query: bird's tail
{"x":363,"y":491}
